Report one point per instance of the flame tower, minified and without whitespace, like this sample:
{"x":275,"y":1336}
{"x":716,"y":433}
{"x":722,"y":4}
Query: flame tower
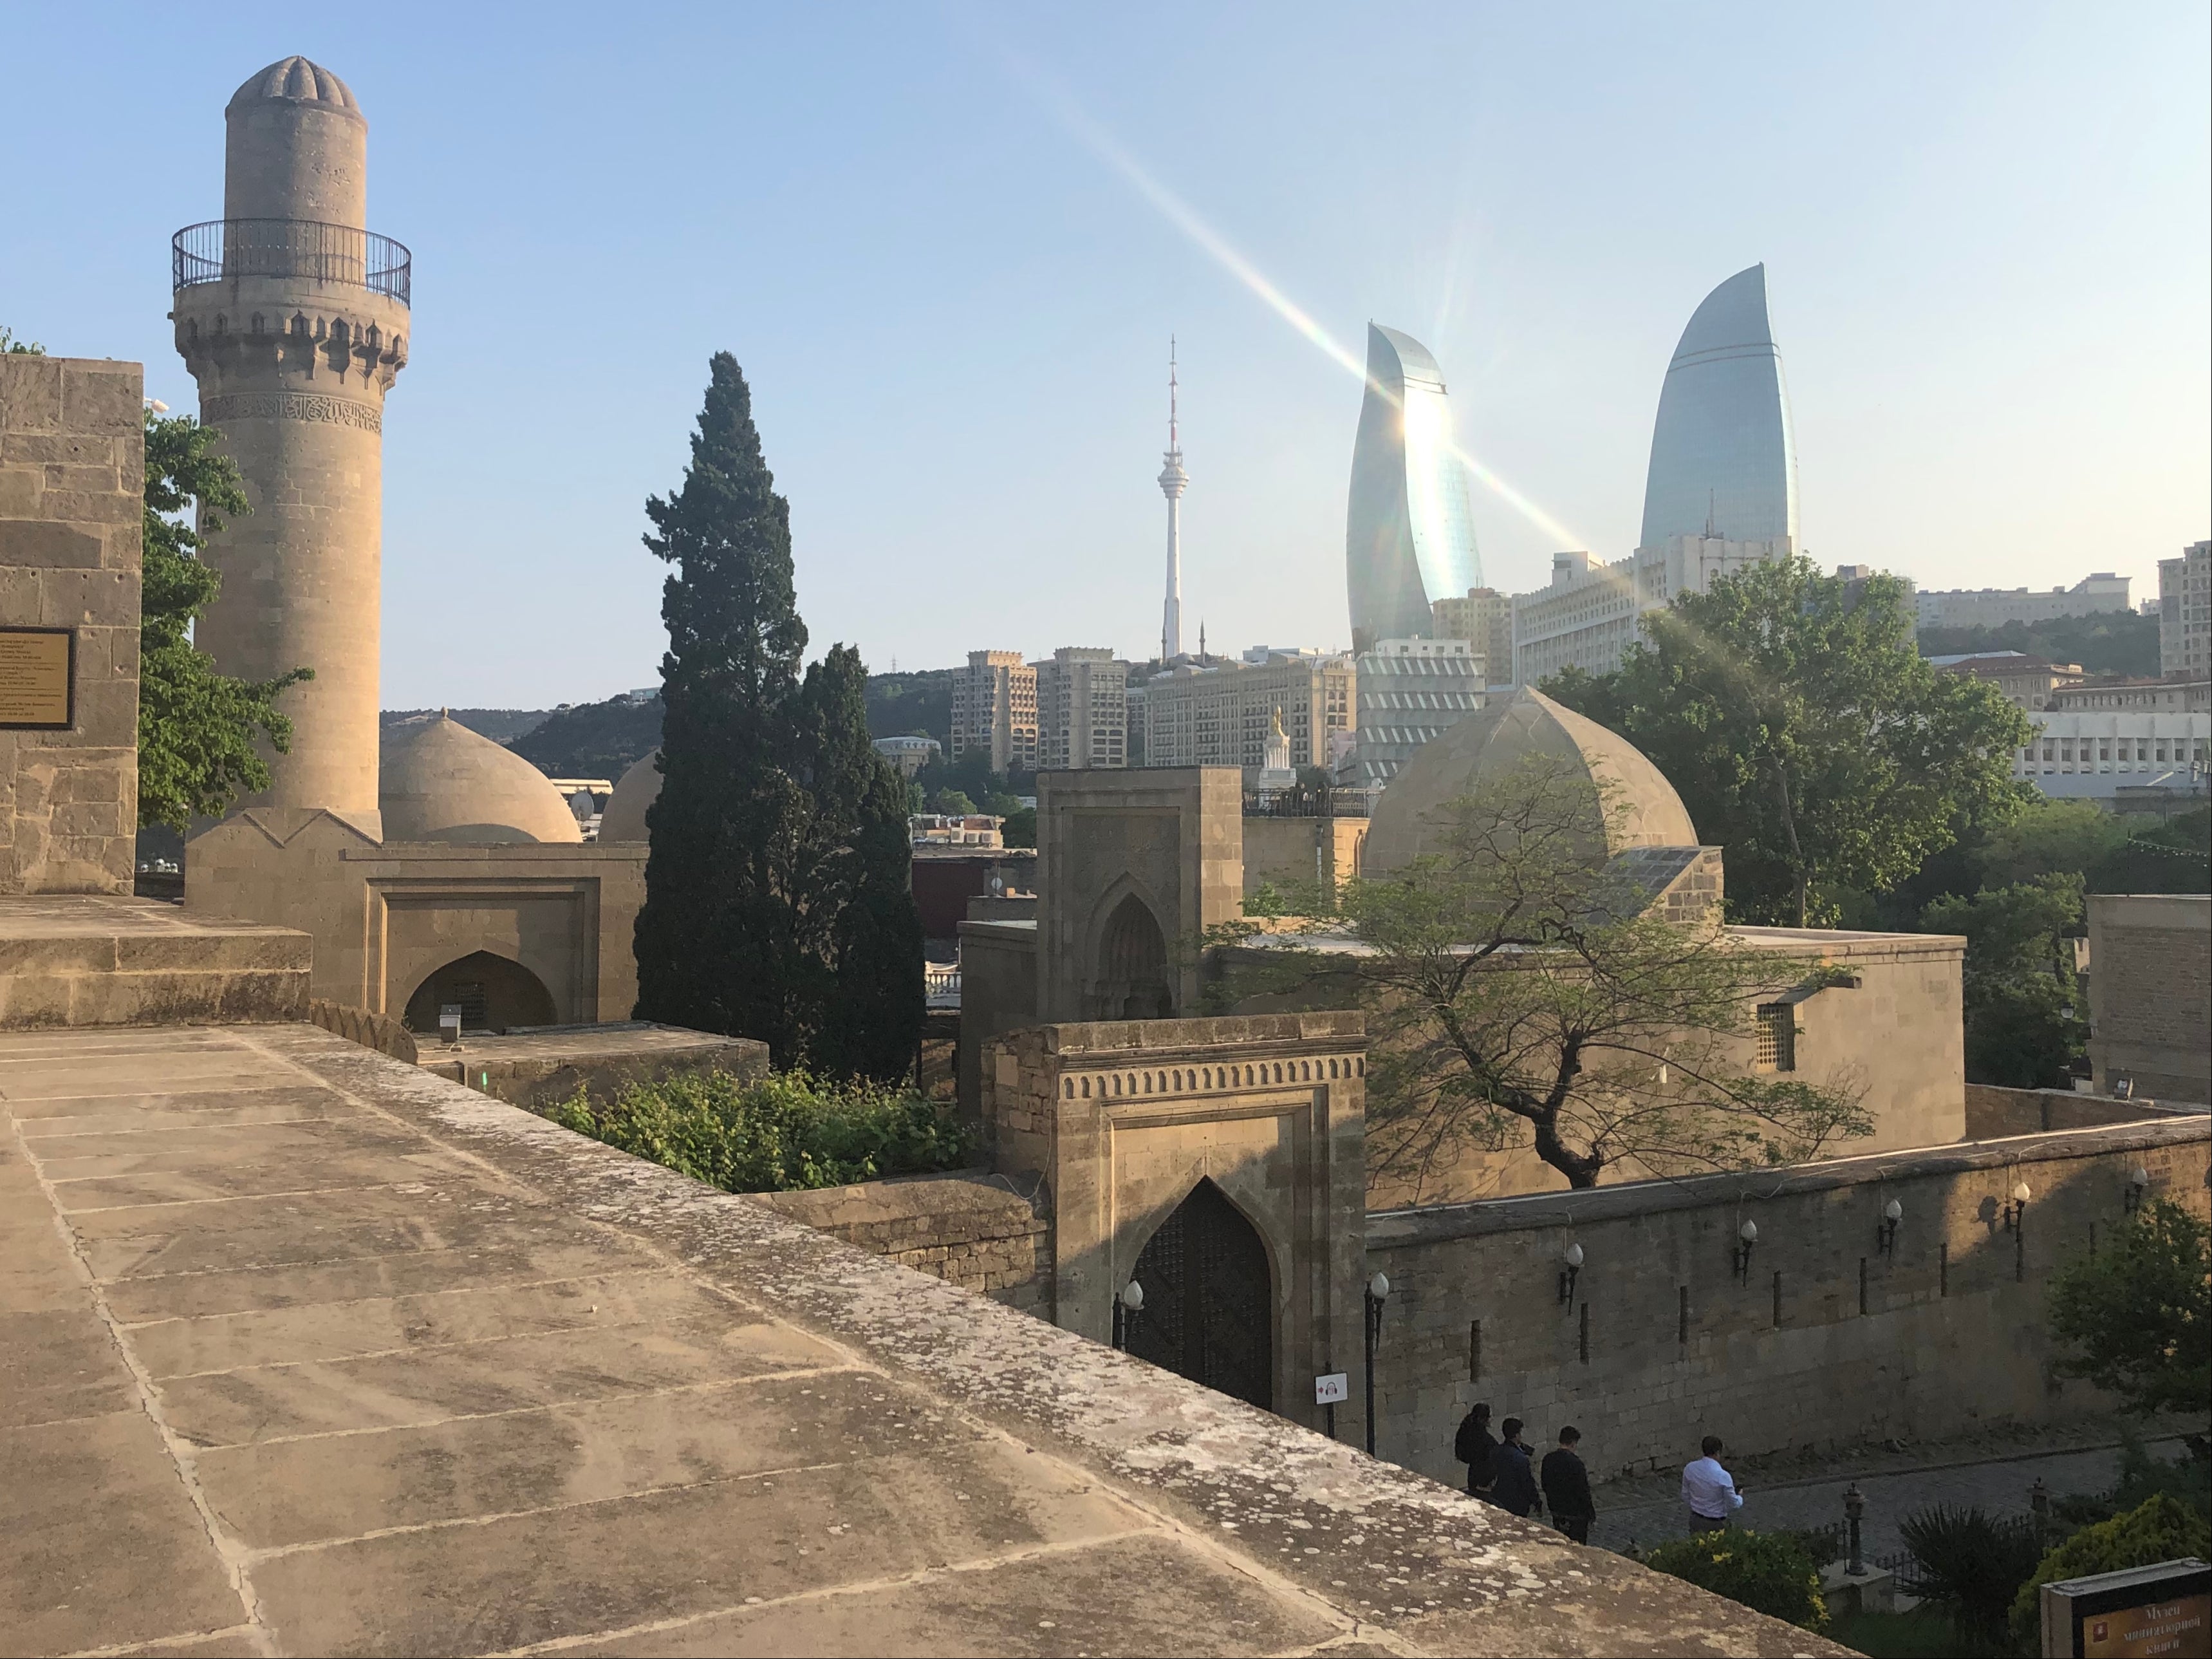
{"x":1173,"y":481}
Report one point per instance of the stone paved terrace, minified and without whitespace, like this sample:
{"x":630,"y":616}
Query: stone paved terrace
{"x":305,"y":1350}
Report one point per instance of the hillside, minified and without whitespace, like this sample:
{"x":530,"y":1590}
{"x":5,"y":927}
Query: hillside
{"x":2111,"y":642}
{"x":916,"y":703}
{"x":500,"y":725}
{"x":592,"y":740}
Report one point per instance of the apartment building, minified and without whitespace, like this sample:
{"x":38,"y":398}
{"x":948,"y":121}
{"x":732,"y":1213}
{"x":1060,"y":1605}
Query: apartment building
{"x":1222,"y":715}
{"x":1591,"y":613}
{"x":1409,"y":691}
{"x":1992,"y":608}
{"x":2079,"y":754}
{"x":994,"y":709}
{"x":1082,"y":710}
{"x":2184,"y":614}
{"x":1484,"y":619}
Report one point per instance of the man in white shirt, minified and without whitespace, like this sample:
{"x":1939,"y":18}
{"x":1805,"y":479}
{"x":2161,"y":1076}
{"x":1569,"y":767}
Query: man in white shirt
{"x":1708,"y":1489}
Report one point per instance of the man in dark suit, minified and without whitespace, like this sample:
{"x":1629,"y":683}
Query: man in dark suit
{"x":1567,"y":1488}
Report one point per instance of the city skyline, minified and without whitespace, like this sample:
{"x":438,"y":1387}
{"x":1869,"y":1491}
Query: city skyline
{"x":1984,"y":395}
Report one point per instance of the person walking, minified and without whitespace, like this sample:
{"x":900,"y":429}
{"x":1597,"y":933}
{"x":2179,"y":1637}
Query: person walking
{"x":1709,"y":1490}
{"x":1477,"y":1447}
{"x":1517,"y":1481}
{"x":1567,"y":1488}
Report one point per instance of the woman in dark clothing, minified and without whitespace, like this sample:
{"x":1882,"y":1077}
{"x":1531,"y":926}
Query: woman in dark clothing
{"x":1516,"y":1482}
{"x":1477,"y":1447}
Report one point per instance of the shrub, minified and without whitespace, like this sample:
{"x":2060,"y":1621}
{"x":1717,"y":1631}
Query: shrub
{"x":1768,"y":1572}
{"x":1972,"y":1565}
{"x":2136,"y":1316}
{"x":2160,"y":1530}
{"x":782,"y":1132}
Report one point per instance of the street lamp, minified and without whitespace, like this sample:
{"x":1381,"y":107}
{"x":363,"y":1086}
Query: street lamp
{"x":2138,"y":1184}
{"x":1746,"y":1235}
{"x":2015,"y":1212}
{"x":1570,"y":1269}
{"x":1127,"y":1305}
{"x":1885,"y":1235}
{"x":1378,"y":1290}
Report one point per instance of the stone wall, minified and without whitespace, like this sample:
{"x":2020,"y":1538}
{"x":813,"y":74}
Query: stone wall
{"x":541,"y":1069}
{"x":998,"y":994}
{"x":2150,"y":994}
{"x":72,"y":481}
{"x":1824,"y":1337}
{"x":977,"y":1230}
{"x":1305,"y":851}
{"x":1994,"y":1113}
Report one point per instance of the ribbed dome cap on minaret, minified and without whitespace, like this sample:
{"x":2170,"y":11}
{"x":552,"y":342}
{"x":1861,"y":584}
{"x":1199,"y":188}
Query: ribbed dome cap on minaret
{"x":296,"y":80}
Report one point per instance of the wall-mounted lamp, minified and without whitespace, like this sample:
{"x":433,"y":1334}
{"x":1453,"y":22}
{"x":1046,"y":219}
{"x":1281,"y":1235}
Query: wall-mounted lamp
{"x":1378,"y":1291}
{"x":2138,"y":1184}
{"x":1127,"y":1305}
{"x":2016,"y":1211}
{"x":1885,"y":1235}
{"x":1570,"y":1269}
{"x":1746,"y":1235}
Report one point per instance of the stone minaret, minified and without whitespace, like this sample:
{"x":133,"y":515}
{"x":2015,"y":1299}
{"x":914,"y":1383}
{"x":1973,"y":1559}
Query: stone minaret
{"x":1173,"y":481}
{"x":294,"y":319}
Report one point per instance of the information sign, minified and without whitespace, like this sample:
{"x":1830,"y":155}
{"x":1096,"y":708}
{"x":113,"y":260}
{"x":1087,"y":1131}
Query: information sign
{"x":38,"y":679}
{"x":1333,"y":1389}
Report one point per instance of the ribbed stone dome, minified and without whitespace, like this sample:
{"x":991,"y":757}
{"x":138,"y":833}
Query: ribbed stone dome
{"x":296,"y":80}
{"x":1494,"y":742}
{"x":441,"y":781}
{"x":624,"y":820}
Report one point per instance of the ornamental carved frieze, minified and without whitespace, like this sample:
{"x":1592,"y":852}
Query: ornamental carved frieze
{"x":289,"y":406}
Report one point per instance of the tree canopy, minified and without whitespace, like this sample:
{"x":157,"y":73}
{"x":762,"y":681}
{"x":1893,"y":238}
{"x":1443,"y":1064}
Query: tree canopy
{"x":1518,"y":983}
{"x":1806,"y":735}
{"x":198,"y":729}
{"x":2136,"y":1316}
{"x":776,"y":896}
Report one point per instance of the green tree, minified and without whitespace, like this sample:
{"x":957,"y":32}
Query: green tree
{"x":1518,"y":983}
{"x":2161,"y":1529}
{"x":2136,"y":1316}
{"x":10,"y":346}
{"x":2023,"y":1030}
{"x":196,"y":728}
{"x":769,"y":906}
{"x":1807,"y":736}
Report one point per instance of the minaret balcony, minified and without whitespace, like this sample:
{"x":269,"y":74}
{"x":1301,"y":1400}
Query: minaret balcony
{"x":223,"y":250}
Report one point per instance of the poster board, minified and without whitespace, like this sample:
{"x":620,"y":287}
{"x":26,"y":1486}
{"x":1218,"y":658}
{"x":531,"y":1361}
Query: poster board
{"x":2162,"y":1610}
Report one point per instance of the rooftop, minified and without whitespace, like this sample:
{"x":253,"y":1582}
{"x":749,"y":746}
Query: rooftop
{"x":310,"y":1352}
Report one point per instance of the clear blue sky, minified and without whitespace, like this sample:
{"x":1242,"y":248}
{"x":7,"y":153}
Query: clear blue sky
{"x":1986,"y":228}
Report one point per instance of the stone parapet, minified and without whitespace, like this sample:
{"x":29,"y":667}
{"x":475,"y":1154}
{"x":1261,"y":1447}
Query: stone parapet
{"x":82,"y":961}
{"x":970,"y":1228}
{"x":541,"y":1069}
{"x":72,"y":484}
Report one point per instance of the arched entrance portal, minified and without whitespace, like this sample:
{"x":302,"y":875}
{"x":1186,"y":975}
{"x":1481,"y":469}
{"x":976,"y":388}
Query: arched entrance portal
{"x":1132,"y":965}
{"x":1209,"y":1299}
{"x":494,"y":994}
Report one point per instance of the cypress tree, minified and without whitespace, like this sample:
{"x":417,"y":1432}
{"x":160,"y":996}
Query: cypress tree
{"x":777,"y":905}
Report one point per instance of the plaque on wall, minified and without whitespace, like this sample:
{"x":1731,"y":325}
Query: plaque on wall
{"x":38,"y":679}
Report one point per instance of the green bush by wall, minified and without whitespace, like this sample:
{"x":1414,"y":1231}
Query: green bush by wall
{"x":1767,"y":1572}
{"x":786,"y":1131}
{"x":2160,"y":1530}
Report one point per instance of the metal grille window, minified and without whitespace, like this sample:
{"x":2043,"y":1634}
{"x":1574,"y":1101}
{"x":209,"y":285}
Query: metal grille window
{"x":1777,"y":1037}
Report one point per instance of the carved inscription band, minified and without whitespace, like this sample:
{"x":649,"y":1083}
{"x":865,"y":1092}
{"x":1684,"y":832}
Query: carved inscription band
{"x":289,"y":406}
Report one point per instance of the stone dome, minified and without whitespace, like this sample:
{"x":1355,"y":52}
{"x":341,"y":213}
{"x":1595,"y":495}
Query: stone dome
{"x":441,"y":781}
{"x":1495,"y":740}
{"x":624,"y":820}
{"x":296,"y":80}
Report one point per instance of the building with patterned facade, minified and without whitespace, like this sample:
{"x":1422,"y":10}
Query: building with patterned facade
{"x":2093,"y":754}
{"x":1409,"y":534}
{"x":1083,"y":710}
{"x":2184,"y":614}
{"x":1411,"y":692}
{"x":1221,"y":716}
{"x":1591,"y":613}
{"x":1484,"y":619}
{"x":994,"y":709}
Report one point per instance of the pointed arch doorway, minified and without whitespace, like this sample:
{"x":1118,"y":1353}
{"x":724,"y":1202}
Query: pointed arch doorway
{"x":1209,"y":1299}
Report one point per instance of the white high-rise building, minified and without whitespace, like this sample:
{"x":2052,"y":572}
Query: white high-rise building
{"x":1992,"y":608}
{"x":994,"y":709}
{"x":2184,"y":614}
{"x":1591,"y":613}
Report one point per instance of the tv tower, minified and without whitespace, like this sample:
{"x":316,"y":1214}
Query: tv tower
{"x":1173,"y":480}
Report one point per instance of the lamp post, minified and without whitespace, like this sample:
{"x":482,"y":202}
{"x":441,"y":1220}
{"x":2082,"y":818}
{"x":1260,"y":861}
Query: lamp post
{"x":1746,"y":1235}
{"x":1378,"y":1290}
{"x":1885,"y":1234}
{"x":2015,"y":1212}
{"x":2138,"y":1184}
{"x":1854,"y":1513}
{"x":1127,"y":1304}
{"x":1570,"y":1269}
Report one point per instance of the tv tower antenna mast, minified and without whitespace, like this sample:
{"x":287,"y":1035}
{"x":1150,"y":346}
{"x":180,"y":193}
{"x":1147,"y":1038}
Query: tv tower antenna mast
{"x":1173,"y":480}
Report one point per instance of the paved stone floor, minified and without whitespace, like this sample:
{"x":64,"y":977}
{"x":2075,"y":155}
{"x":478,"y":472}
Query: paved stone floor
{"x":305,"y":1351}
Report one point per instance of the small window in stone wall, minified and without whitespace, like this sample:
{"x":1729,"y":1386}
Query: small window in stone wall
{"x":1777,"y":1037}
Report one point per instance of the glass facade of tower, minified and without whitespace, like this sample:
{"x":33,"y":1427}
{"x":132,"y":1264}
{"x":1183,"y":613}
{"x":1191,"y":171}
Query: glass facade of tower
{"x":1409,"y":537}
{"x":1723,"y":462}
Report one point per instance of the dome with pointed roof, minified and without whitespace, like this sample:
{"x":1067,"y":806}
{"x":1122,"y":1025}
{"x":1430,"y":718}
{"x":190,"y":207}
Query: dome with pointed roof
{"x":634,"y":790}
{"x":441,"y":781}
{"x":1492,"y":742}
{"x":296,"y":80}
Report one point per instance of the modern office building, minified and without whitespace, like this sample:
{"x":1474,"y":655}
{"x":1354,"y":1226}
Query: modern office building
{"x":994,"y":709}
{"x":1223,"y":715}
{"x":1484,"y":619}
{"x":1409,"y":534}
{"x":1591,"y":613}
{"x":1992,"y":608}
{"x":2184,"y":614}
{"x":1411,"y":691}
{"x":2079,"y":755}
{"x":1723,"y":463}
{"x":1083,"y":710}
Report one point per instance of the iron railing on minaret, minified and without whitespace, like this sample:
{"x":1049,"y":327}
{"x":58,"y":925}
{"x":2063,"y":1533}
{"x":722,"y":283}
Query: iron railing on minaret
{"x":223,"y":248}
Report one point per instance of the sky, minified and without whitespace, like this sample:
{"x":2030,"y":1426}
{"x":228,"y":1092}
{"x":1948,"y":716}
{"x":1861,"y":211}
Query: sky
{"x":949,"y":245}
